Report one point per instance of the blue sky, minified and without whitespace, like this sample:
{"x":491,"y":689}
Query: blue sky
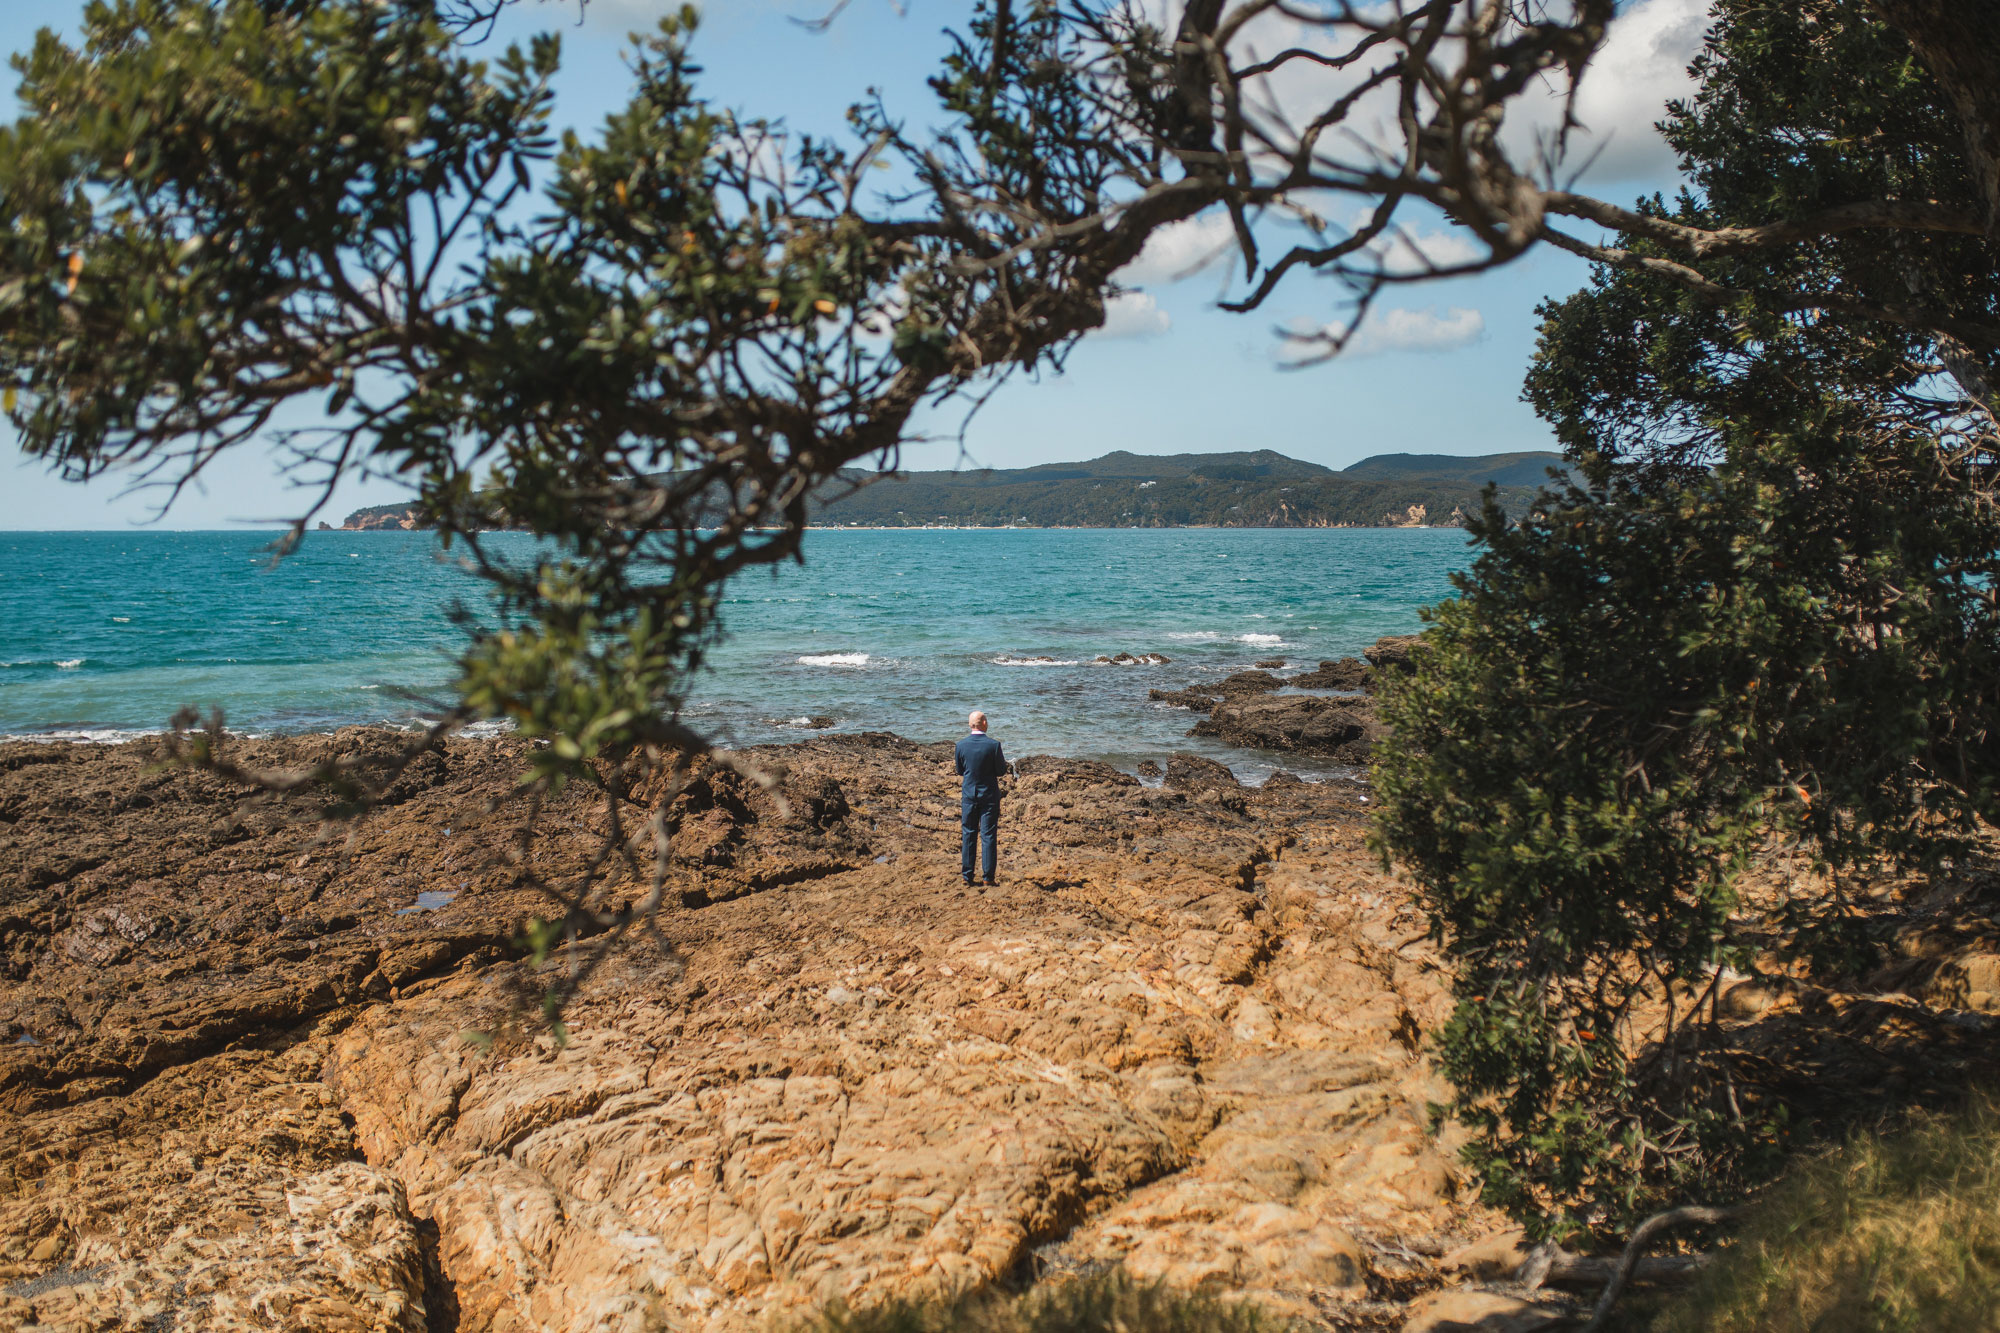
{"x":1440,"y":369}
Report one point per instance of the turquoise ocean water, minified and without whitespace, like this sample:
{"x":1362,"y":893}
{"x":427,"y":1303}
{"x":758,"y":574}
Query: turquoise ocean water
{"x":103,"y":634}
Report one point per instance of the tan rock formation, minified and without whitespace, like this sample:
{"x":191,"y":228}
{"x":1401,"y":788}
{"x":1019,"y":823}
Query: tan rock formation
{"x":1180,"y":1036}
{"x":1463,"y":1310}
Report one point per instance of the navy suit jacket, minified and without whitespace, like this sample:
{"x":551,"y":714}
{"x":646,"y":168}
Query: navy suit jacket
{"x":980,"y":763}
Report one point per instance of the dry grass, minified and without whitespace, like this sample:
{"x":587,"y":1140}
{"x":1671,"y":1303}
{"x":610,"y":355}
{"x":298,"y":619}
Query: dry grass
{"x":1896,"y":1232}
{"x":1109,"y":1303}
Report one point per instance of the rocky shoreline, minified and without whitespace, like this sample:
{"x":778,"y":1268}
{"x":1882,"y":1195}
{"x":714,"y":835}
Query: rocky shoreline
{"x":259,"y":1070}
{"x":1250,"y":708}
{"x":249,"y":1083}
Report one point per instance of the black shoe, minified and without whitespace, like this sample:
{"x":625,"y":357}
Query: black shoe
{"x":967,"y":882}
{"x":991,"y":883}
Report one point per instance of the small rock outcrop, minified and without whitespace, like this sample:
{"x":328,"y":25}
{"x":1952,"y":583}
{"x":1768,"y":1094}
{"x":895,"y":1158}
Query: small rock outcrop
{"x":1250,"y":708}
{"x":1194,"y":772}
{"x":1338,"y":728}
{"x":1201,"y":698}
{"x":1392,"y":652}
{"x":1347,"y":673}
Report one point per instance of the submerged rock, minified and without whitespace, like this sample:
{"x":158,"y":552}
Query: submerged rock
{"x":1192,"y":698}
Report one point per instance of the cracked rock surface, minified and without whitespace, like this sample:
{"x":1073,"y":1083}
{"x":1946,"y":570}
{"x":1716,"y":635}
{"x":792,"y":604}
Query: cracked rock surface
{"x":243,"y":1086}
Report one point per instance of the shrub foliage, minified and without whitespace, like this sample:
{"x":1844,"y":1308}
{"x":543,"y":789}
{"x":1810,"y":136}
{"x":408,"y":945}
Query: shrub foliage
{"x":1767,"y":612}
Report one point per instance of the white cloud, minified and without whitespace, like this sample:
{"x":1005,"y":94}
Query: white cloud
{"x":1400,"y":330}
{"x":1180,"y":250}
{"x":1413,"y":250}
{"x":1624,"y":92}
{"x":1133,"y":315}
{"x":1640,"y":68}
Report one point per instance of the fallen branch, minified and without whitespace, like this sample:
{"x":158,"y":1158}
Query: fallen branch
{"x":1591,"y":1272}
{"x":1636,"y":1246}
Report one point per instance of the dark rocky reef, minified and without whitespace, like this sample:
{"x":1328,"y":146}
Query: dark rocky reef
{"x":1255,"y":709}
{"x":1340,"y":728}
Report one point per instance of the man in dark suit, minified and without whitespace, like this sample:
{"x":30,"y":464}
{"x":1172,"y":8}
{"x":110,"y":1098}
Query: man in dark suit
{"x":980,"y":763}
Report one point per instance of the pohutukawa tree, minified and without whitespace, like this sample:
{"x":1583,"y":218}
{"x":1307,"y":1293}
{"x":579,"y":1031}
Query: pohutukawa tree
{"x":655,"y":346}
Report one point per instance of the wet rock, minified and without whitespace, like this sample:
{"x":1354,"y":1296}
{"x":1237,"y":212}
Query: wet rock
{"x":1148,"y":768}
{"x":1192,"y":698}
{"x":1347,"y":673}
{"x":1280,"y":778}
{"x":1134,"y":659}
{"x":1342,"y":729}
{"x":1203,"y":697}
{"x":1247,"y":682}
{"x":1271,"y":664}
{"x":1192,"y":771}
{"x":1391,"y":652}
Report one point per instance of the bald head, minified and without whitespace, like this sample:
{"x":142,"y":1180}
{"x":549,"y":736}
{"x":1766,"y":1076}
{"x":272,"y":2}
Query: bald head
{"x":977,"y":721}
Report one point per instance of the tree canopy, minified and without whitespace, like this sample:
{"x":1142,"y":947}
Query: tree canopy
{"x":1770,"y":606}
{"x":1768,"y":611}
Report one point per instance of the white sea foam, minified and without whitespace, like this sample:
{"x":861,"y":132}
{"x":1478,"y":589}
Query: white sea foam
{"x":1199,"y":635}
{"x":121,"y":620}
{"x":85,"y":735}
{"x":488,"y":726}
{"x":1260,"y":638}
{"x":1004,"y":660}
{"x":834,"y":659}
{"x":69,"y":663}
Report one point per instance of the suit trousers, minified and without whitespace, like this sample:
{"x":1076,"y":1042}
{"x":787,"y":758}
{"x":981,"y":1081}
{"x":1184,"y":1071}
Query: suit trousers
{"x":979,"y":820}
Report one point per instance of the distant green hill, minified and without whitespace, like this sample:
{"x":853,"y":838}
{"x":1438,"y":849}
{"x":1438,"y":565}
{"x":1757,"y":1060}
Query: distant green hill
{"x":1260,"y":489}
{"x":1522,"y":469}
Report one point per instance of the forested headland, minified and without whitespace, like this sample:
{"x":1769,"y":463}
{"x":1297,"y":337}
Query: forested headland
{"x":1260,"y":489}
